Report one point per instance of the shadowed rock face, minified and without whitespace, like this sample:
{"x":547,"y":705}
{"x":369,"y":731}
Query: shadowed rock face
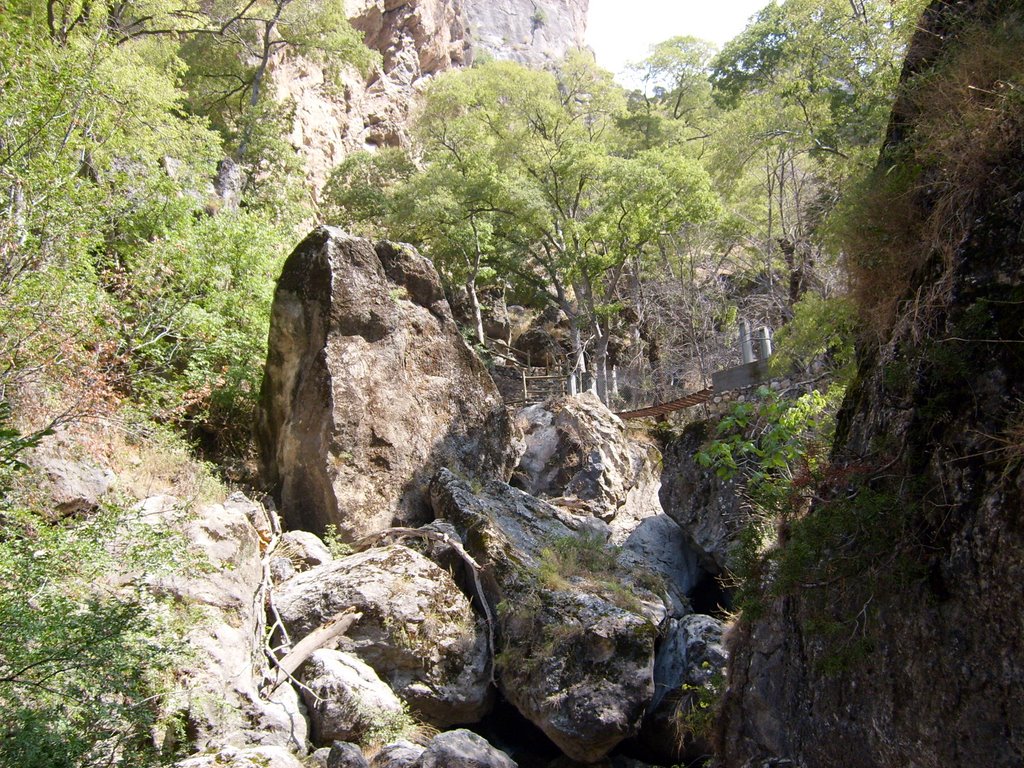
{"x":369,"y":389}
{"x":707,"y":508}
{"x":934,"y":423}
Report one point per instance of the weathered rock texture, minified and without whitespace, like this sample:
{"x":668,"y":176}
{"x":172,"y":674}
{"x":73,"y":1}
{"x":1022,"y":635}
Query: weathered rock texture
{"x":462,"y":749}
{"x":690,"y":658}
{"x":924,"y":665}
{"x":577,"y":448}
{"x":533,"y":32}
{"x":576,"y":650}
{"x":369,"y":389}
{"x":579,"y":457}
{"x":417,"y":40}
{"x":74,"y":487}
{"x":250,"y":757}
{"x":345,"y":755}
{"x":401,"y":754}
{"x":707,"y":508}
{"x":417,"y":630}
{"x":345,"y":697}
{"x":220,"y":689}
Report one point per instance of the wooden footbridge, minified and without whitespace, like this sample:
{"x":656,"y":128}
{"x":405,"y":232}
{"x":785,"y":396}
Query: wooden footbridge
{"x":753,"y":371}
{"x":664,"y":409}
{"x":528,"y":384}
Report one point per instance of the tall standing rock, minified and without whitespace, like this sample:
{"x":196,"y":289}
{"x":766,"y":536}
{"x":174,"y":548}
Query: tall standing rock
{"x":369,"y":389}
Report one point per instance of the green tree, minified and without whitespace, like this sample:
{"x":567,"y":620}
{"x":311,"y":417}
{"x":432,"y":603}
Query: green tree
{"x":673,"y":103}
{"x":807,"y":89}
{"x":527,"y":162}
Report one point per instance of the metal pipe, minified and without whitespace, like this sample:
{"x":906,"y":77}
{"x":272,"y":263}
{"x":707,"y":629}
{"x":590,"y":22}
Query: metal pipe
{"x":746,"y":343}
{"x":764,"y":342}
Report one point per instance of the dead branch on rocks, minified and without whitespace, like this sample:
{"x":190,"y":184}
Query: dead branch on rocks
{"x":314,"y":641}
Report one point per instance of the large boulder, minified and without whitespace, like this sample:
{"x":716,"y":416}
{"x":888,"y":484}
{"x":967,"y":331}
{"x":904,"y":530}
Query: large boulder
{"x":576,"y":646}
{"x":656,"y":551}
{"x":304,"y":549}
{"x":346,"y":699}
{"x":577,"y":448}
{"x":418,"y":631}
{"x":401,"y":754}
{"x":462,"y":749}
{"x":369,"y":389}
{"x":345,"y":755}
{"x":220,"y":691}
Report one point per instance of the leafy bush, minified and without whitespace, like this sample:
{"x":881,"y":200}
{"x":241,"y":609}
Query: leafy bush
{"x":825,"y":533}
{"x":778,"y":448}
{"x":84,"y":661}
{"x":821,"y":330}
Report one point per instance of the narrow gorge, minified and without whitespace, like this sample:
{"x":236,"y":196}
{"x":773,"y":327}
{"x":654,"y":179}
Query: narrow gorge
{"x":385,"y":385}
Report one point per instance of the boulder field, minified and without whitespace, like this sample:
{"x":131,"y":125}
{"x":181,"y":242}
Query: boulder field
{"x":565,"y":595}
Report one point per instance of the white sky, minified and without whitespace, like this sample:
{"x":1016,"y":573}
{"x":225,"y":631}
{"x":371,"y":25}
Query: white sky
{"x":622,"y":31}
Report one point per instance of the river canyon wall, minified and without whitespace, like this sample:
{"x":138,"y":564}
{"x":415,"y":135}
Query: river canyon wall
{"x":898,"y":640}
{"x":417,"y":40}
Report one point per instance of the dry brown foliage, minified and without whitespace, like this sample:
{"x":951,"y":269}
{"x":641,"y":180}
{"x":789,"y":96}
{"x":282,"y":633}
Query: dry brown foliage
{"x":967,"y":117}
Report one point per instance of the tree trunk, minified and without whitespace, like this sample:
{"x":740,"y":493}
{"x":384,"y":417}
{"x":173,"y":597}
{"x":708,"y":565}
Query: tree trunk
{"x":478,"y":317}
{"x":601,"y":364}
{"x":474,"y":300}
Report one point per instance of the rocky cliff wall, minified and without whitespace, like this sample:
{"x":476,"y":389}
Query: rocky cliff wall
{"x":890,"y":632}
{"x":417,"y":40}
{"x":533,"y":32}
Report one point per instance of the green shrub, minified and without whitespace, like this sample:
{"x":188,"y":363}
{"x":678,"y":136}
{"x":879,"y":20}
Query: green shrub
{"x":84,"y":661}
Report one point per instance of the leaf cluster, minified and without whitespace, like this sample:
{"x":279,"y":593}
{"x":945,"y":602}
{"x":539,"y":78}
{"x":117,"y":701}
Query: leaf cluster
{"x":84,"y":663}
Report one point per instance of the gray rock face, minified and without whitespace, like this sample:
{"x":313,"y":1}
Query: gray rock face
{"x":344,"y":696}
{"x":463,"y":749}
{"x":220,"y":690}
{"x":369,"y":389}
{"x":576,"y":447}
{"x":417,"y":630}
{"x":577,"y":649}
{"x":707,"y":508}
{"x":228,"y":184}
{"x":691,"y":657}
{"x":532,"y":32}
{"x":401,"y":754}
{"x":658,"y":546}
{"x":917,"y":658}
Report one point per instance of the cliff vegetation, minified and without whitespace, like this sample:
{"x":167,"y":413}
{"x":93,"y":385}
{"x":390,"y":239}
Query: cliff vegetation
{"x":855,"y":523}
